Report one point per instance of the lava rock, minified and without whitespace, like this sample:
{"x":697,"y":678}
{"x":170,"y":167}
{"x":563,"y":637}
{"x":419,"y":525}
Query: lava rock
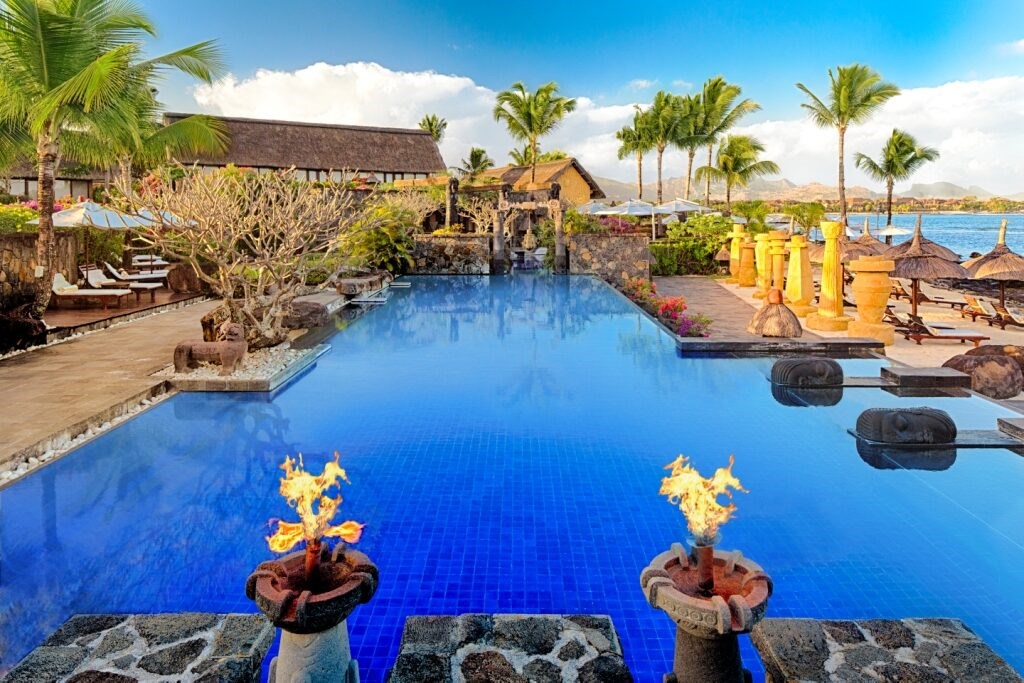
{"x":864,"y":656}
{"x":532,"y":635}
{"x":444,"y":633}
{"x":976,"y":661}
{"x":542,"y":671}
{"x":1009,"y":351}
{"x":101,"y":677}
{"x":181,"y":279}
{"x":994,"y":376}
{"x":243,"y":633}
{"x":598,"y":629}
{"x":420,"y":667}
{"x":489,"y":667}
{"x":904,"y":672}
{"x":158,"y":629}
{"x":83,"y":625}
{"x":46,"y":664}
{"x":843,"y":632}
{"x":605,"y":668}
{"x":174,"y":659}
{"x":114,"y":641}
{"x":571,"y":650}
{"x":305,"y":315}
{"x":889,"y":634}
{"x":792,"y":649}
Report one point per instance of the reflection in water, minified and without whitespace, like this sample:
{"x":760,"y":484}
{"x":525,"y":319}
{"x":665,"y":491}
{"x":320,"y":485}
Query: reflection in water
{"x":883,"y":457}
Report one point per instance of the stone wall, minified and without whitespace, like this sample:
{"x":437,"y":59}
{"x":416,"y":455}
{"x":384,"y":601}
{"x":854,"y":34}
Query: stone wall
{"x":18,"y":262}
{"x":611,"y":257}
{"x":452,"y":254}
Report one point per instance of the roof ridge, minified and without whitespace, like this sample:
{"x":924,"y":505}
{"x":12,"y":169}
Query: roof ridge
{"x":309,"y":124}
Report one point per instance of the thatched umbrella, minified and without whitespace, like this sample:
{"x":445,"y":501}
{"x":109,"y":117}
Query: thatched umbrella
{"x":869,"y":240}
{"x":1002,"y":264}
{"x":926,"y":244}
{"x":916,"y":263}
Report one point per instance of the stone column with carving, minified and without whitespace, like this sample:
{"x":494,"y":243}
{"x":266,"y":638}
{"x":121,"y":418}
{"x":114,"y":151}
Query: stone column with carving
{"x":800,"y":279}
{"x":747,"y":276}
{"x":736,"y":236}
{"x":561,"y":255}
{"x":871,"y":289}
{"x":498,"y":260}
{"x":778,"y":252}
{"x":762,"y":261}
{"x":829,"y":317}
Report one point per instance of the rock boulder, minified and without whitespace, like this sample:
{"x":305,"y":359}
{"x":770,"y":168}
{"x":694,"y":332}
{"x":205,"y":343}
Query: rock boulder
{"x":306,"y":315}
{"x":1009,"y":350}
{"x":994,"y":376}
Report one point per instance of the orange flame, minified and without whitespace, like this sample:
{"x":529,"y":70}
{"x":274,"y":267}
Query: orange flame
{"x":697,"y":497}
{"x":303,"y":490}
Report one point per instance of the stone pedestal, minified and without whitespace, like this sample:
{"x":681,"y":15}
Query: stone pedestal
{"x":315,"y":657}
{"x":871,"y":288}
{"x":561,"y":255}
{"x":778,"y":254}
{"x":762,"y":260}
{"x":736,"y":238}
{"x":800,"y":280}
{"x":747,"y":276}
{"x":705,"y":657}
{"x":829,"y":316}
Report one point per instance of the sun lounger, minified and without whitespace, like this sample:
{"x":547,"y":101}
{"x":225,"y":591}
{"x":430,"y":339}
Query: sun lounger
{"x":899,"y":290}
{"x":919,"y":332}
{"x":122,"y":274}
{"x":95,"y":277}
{"x":973,"y":308}
{"x":928,"y":294}
{"x":906,"y":322}
{"x":64,"y":290}
{"x":1001,"y":316}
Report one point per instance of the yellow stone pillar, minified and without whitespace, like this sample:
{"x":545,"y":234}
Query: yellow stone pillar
{"x":748,"y":271}
{"x":800,"y":280}
{"x":737,"y":236}
{"x":762,"y":260}
{"x":778,"y":251}
{"x":871,"y":289}
{"x":829,"y":316}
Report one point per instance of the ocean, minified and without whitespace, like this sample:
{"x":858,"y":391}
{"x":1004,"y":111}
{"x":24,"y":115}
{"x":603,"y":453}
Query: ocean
{"x":964,"y":233}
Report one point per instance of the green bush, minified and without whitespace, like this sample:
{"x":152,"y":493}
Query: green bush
{"x":15,"y":218}
{"x":388,"y":244}
{"x":321,"y":266}
{"x":691,"y":247}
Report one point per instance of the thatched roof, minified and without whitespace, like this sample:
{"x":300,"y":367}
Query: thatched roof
{"x":321,"y":146}
{"x":547,"y":172}
{"x":919,"y":264}
{"x":925,"y":244}
{"x":1002,"y":263}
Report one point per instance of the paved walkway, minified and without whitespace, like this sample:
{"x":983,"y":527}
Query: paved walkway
{"x":49,"y":390}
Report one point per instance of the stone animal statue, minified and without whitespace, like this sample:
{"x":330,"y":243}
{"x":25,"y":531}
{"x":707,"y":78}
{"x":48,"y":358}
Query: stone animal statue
{"x":906,"y":426}
{"x":807,"y":372}
{"x":229,"y":350}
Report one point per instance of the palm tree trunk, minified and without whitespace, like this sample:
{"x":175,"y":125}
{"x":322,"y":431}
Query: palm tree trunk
{"x":689,"y":170}
{"x":46,"y":252}
{"x":639,"y":175}
{"x":707,"y":184}
{"x":661,"y":152}
{"x":842,"y":177}
{"x":728,"y":198}
{"x":888,"y":201}
{"x":533,"y":160}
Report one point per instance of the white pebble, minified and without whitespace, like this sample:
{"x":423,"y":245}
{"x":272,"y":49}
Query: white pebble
{"x":33,"y":460}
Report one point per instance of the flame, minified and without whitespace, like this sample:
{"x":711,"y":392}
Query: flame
{"x":303,"y":491}
{"x":697,"y":497}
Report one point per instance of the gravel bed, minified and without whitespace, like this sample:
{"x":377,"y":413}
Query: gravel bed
{"x":261,"y":364}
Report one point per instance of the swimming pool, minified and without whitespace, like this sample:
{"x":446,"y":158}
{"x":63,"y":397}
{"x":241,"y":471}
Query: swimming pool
{"x":505,"y":439}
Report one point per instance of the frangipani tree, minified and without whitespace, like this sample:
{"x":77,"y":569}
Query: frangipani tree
{"x":531,"y":115}
{"x":901,"y":156}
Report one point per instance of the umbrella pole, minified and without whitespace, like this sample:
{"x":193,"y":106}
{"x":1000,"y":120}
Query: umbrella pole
{"x":1002,"y":293}
{"x":913,"y":300}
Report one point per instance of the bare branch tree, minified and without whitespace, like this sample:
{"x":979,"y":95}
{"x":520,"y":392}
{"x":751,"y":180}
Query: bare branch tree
{"x":252,"y":237}
{"x":479,"y":209}
{"x":420,"y":202}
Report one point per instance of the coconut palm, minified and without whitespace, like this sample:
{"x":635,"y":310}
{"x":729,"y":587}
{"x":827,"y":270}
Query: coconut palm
{"x":70,"y":74}
{"x":636,"y":140}
{"x":806,"y":214}
{"x":855,"y":93}
{"x":532,"y":115}
{"x":736,"y":164}
{"x":521,"y":156}
{"x":901,"y":157}
{"x":689,"y":135}
{"x":475,"y":164}
{"x":661,"y":120}
{"x":435,"y":125}
{"x":719,"y":111}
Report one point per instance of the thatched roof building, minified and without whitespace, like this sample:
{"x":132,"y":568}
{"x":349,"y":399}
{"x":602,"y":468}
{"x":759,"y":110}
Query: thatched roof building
{"x":577,"y":185}
{"x":317,"y":149}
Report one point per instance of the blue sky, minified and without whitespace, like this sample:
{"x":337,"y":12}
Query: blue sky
{"x":598,"y":49}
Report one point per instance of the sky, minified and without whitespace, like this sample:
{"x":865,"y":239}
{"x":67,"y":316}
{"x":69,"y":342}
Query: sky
{"x":959,"y":64}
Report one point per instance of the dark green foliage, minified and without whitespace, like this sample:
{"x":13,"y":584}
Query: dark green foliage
{"x":691,"y":246}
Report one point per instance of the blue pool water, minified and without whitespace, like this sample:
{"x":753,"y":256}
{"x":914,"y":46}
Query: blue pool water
{"x":505,"y":439}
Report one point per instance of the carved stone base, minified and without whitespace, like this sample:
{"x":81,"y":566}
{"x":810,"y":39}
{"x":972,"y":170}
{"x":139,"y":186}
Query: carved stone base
{"x":714,"y":659}
{"x":816,"y":321}
{"x":322,"y":657}
{"x":880,"y":331}
{"x":802,"y":310}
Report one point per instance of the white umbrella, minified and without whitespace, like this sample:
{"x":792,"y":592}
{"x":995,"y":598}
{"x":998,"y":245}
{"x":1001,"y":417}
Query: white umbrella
{"x":633,"y":207}
{"x":591,"y":207}
{"x":891,"y":230}
{"x":682,"y":206}
{"x":93,"y":215}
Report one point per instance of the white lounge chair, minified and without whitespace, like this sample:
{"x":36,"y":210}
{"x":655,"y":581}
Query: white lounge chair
{"x":95,"y":277}
{"x":122,"y":274}
{"x":64,"y":290}
{"x":927,"y":293}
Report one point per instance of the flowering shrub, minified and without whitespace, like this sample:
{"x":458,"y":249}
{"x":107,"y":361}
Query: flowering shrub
{"x":640,"y":290}
{"x":698,"y":325}
{"x":15,"y":218}
{"x":671,"y":307}
{"x":670,"y":310}
{"x":34,"y":205}
{"x":618,"y":224}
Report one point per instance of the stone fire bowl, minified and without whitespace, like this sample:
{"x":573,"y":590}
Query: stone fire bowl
{"x":345,"y":578}
{"x":740,"y":596}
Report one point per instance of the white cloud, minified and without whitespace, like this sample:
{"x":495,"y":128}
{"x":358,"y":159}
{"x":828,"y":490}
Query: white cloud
{"x":681,"y":84}
{"x":974,"y":124}
{"x":640,"y":84}
{"x":1015,"y":47}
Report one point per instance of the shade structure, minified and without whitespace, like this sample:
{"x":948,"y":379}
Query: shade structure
{"x":893,"y":231}
{"x":93,"y":215}
{"x":591,"y":207}
{"x":925,"y":244}
{"x":682,"y":206}
{"x":633,"y":207}
{"x":865,"y":245}
{"x":1000,"y":264}
{"x":916,"y":263}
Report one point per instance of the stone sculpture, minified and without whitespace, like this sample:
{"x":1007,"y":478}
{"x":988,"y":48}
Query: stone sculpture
{"x":228,"y":351}
{"x":774,"y":319}
{"x":807,"y":372}
{"x":907,"y":426}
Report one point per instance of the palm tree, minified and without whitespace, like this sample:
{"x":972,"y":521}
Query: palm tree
{"x":736,"y":164}
{"x":477,"y":163}
{"x":901,"y":157}
{"x":719,"y":111}
{"x":553,"y":155}
{"x":689,"y":135}
{"x":636,"y":140}
{"x":661,"y":121}
{"x":531,"y":115}
{"x":521,"y":156}
{"x":70,"y":72}
{"x":435,"y":125}
{"x":855,"y":93}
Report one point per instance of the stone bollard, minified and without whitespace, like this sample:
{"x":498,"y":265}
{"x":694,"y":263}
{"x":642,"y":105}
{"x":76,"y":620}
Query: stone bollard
{"x":829,"y":316}
{"x":778,"y":253}
{"x":800,"y":280}
{"x":762,"y":259}
{"x":747,"y":276}
{"x":736,"y":238}
{"x":871,"y":288}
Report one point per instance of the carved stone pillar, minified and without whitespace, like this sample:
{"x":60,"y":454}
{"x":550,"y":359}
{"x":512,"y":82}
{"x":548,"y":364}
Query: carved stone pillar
{"x":736,"y":238}
{"x":829,"y":316}
{"x":561,"y":255}
{"x":871,"y":289}
{"x":498,"y":259}
{"x":762,"y":261}
{"x":747,"y":277}
{"x":778,"y":252}
{"x":800,"y":280}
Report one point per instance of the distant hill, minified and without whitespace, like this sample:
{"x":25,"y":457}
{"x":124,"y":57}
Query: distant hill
{"x":760,"y":188}
{"x":942,"y":190}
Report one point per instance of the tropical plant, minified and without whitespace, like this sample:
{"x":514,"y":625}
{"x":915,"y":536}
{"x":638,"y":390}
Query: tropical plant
{"x":806,"y":214}
{"x":855,"y":93}
{"x":636,"y":140}
{"x":719,"y":112}
{"x":901,"y":156}
{"x":521,"y":156}
{"x":736,"y":164}
{"x":689,"y":134}
{"x":553,"y":155}
{"x":382,"y":239}
{"x":661,"y":120}
{"x":755,"y":211}
{"x":476,"y":163}
{"x":532,"y":115}
{"x":15,"y":218}
{"x":70,"y":72}
{"x":435,"y":125}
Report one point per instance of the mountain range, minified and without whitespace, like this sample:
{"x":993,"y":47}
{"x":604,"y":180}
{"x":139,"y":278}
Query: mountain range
{"x":786,"y":190}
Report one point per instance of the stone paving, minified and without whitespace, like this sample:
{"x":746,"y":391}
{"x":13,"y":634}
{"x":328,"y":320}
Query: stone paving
{"x":57,"y":388}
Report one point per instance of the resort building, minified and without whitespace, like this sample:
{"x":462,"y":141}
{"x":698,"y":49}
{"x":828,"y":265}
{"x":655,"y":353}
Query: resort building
{"x":319,"y":151}
{"x":577,"y":185}
{"x":71,"y":179}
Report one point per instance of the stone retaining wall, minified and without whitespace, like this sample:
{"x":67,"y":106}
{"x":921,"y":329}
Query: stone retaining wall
{"x":452,"y":254}
{"x":611,"y":257}
{"x":18,"y":262}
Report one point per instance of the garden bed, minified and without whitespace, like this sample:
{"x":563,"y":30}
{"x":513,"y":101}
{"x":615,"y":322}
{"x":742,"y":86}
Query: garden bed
{"x":262,"y":370}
